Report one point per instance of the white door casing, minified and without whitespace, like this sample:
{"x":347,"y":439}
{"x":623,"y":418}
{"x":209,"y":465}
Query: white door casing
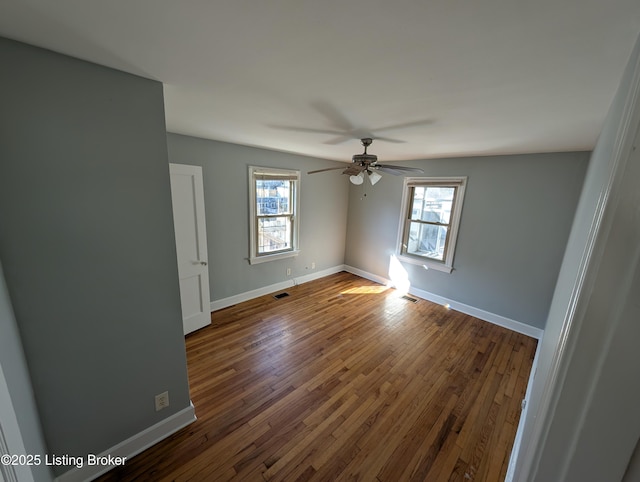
{"x":11,"y":442}
{"x":187,"y":194}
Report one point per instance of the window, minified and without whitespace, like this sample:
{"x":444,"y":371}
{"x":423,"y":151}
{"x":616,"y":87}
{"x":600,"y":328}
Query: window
{"x":431,"y":211}
{"x":274,"y":195}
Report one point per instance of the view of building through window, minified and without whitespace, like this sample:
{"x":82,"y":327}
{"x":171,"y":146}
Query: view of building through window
{"x":430,"y":221}
{"x":275,"y":216}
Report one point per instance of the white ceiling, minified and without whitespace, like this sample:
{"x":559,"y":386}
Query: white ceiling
{"x":446,"y":77}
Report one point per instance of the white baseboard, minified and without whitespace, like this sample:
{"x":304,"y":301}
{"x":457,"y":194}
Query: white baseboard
{"x":318,"y":274}
{"x":499,"y":320}
{"x":367,"y":275}
{"x":249,"y":295}
{"x":132,"y":446}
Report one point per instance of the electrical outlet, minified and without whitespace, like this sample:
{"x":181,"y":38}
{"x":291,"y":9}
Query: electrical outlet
{"x":288,"y":271}
{"x":313,"y":265}
{"x":162,"y":401}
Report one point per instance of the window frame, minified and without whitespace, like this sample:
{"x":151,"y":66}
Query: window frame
{"x":261,"y":173}
{"x":446,"y":264}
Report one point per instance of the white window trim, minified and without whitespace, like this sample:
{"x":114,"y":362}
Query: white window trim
{"x":447,"y":264}
{"x":254,"y":258}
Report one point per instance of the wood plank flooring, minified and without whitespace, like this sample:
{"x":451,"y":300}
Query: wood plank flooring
{"x":345,"y":380}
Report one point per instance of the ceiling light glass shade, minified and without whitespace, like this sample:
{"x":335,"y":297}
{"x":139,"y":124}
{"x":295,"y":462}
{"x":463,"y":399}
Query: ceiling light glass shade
{"x":357,"y":180}
{"x":374,"y":177}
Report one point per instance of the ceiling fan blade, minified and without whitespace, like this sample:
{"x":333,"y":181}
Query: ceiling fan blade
{"x":306,"y":129}
{"x":388,"y":139}
{"x":353,"y":170}
{"x":323,"y":170}
{"x":423,"y":122}
{"x":396,"y":170}
{"x":337,"y":118}
{"x":338,"y":140}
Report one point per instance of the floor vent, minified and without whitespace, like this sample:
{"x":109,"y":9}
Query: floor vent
{"x":281,"y":295}
{"x":409,"y":298}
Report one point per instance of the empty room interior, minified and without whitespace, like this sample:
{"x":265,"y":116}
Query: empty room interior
{"x":319,"y":241}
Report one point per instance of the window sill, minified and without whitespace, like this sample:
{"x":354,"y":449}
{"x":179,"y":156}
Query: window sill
{"x":426,"y":263}
{"x":273,"y":257}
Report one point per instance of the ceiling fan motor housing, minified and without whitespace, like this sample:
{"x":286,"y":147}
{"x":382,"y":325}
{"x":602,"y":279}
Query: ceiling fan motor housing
{"x":368,"y":163}
{"x":364,"y":158}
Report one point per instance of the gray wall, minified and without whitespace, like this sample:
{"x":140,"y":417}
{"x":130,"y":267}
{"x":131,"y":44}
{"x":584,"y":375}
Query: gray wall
{"x":14,"y":367}
{"x":87,"y":246}
{"x":323,"y":217}
{"x":515,"y":222}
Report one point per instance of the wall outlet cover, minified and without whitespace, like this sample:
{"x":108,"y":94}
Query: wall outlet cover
{"x":162,"y":401}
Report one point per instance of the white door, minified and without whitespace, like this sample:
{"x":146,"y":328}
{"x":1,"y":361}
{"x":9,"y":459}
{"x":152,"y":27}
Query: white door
{"x":187,"y":194}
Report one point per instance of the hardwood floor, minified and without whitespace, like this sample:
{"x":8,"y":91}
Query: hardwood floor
{"x":345,"y":380}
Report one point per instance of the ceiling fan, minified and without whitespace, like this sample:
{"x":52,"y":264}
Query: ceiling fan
{"x":343,"y":130}
{"x":368,"y":164}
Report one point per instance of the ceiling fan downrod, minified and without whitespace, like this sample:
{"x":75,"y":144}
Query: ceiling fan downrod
{"x":366,"y":142}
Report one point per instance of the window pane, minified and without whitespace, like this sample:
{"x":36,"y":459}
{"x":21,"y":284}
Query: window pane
{"x":432,"y":204}
{"x":273,"y":197}
{"x":274,"y":234}
{"x":427,"y":240}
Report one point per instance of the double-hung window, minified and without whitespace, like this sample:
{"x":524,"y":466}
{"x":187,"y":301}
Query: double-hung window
{"x":431,"y":212}
{"x":273,"y":208}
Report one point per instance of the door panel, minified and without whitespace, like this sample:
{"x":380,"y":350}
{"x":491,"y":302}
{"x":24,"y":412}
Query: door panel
{"x":187,"y":195}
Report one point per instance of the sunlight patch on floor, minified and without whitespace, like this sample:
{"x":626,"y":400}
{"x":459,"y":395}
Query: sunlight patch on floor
{"x":365,"y":290}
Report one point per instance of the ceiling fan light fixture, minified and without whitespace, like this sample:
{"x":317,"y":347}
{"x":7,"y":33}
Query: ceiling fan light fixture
{"x":374,"y":177}
{"x":357,"y":180}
